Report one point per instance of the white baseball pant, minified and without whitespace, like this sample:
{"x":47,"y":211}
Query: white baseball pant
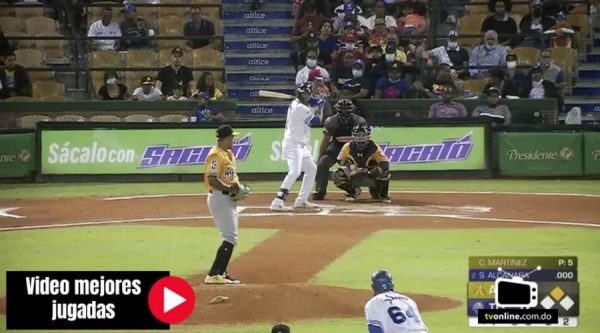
{"x":299,"y":158}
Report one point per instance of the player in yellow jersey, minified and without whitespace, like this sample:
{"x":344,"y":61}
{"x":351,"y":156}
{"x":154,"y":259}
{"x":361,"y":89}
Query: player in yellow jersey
{"x":363,"y":164}
{"x":224,"y":190}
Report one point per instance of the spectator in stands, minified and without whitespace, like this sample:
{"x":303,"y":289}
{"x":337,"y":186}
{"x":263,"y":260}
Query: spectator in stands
{"x":392,"y":86}
{"x":134,"y":30}
{"x":358,"y":87}
{"x":311,"y":63}
{"x":147,"y":92}
{"x":487,"y":54}
{"x":345,"y":7}
{"x":378,"y":35}
{"x":412,"y":22}
{"x":561,"y":31}
{"x":105,"y":27}
{"x":342,"y":73}
{"x":350,"y":15}
{"x":311,"y":21}
{"x":380,"y":12}
{"x":206,"y":83}
{"x":5,"y":48}
{"x":381,"y":68}
{"x":199,"y":31}
{"x":534,"y":24}
{"x":451,"y":54}
{"x":175,"y":73}
{"x":280,"y":328}
{"x":177,"y":94}
{"x":204,"y":113}
{"x":311,"y":42}
{"x":552,"y":72}
{"x":14,"y":79}
{"x":319,"y":87}
{"x":499,"y":113}
{"x":504,"y":25}
{"x":434,"y":87}
{"x":453,"y":7}
{"x":538,"y":87}
{"x":349,"y":43}
{"x":112,"y":89}
{"x":447,"y":108}
{"x":514,"y":76}
{"x":498,"y":80}
{"x":327,"y":41}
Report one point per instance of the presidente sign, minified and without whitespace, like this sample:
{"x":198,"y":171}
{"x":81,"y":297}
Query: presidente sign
{"x":257,"y":150}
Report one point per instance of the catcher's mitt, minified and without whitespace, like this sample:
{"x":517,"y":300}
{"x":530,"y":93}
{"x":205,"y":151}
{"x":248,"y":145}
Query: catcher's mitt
{"x":346,"y":173}
{"x":242,"y":193}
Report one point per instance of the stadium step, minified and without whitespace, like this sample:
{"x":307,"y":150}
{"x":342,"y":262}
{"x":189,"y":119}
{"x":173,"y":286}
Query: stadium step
{"x":258,"y":16}
{"x":258,"y":60}
{"x":273,"y":108}
{"x":589,"y":71}
{"x":593,"y":56}
{"x":258,"y":44}
{"x":237,"y":90}
{"x":587,"y":88}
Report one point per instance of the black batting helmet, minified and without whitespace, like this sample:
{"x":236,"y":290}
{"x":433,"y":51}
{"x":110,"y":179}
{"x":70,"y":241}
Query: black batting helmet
{"x":305,"y":88}
{"x":344,"y":109}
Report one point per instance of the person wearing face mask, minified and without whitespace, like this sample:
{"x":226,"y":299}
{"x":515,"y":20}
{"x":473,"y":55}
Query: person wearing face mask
{"x":112,"y":89}
{"x":358,"y":87}
{"x":199,"y":30}
{"x":342,"y":73}
{"x":393,"y":86}
{"x":515,"y":78}
{"x":487,"y":54}
{"x":311,"y":43}
{"x":504,"y":25}
{"x":350,"y":43}
{"x":499,"y":113}
{"x":311,"y":63}
{"x":534,"y":24}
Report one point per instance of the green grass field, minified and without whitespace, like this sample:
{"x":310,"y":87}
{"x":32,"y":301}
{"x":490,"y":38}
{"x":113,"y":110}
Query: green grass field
{"x":422,"y":261}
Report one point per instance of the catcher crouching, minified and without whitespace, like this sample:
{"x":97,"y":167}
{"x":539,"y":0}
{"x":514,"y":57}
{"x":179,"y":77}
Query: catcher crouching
{"x":363,"y":163}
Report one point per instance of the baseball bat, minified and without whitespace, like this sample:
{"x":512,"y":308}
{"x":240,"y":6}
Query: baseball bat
{"x":274,"y":94}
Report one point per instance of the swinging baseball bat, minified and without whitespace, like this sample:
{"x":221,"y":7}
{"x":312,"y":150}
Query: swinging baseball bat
{"x":274,"y":94}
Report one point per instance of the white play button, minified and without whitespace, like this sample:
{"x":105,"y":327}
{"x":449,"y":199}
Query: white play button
{"x":171,"y":300}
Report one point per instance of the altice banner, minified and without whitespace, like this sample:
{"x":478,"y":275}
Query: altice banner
{"x":257,"y":150}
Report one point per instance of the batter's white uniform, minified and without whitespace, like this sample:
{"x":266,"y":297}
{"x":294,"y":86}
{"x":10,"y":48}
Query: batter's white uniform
{"x":297,"y":149}
{"x":394,"y":313}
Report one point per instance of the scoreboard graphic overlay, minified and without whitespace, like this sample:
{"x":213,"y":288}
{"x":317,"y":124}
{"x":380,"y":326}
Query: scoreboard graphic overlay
{"x":523,"y":291}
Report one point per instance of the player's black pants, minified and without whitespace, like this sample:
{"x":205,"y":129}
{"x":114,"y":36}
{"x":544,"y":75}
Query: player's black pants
{"x":325,"y":163}
{"x":378,"y":188}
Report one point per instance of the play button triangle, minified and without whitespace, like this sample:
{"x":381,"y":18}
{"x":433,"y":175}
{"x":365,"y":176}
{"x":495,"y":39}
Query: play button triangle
{"x":171,"y":300}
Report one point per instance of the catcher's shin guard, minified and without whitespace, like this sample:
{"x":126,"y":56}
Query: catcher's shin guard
{"x":383,"y":187}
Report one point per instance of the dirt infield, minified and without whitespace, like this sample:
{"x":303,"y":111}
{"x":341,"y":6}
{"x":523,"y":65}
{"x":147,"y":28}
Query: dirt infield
{"x":277,"y":272}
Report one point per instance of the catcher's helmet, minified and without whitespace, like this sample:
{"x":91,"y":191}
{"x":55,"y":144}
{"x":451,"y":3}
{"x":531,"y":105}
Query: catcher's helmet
{"x":344,"y":109}
{"x":361,"y":135}
{"x":381,"y":281}
{"x":305,"y":88}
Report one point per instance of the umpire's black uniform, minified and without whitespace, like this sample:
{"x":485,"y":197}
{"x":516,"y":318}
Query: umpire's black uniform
{"x":340,"y":132}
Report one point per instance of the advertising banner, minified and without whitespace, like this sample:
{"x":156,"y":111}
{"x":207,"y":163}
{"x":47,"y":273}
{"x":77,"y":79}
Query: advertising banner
{"x":257,"y":150}
{"x":17,"y":158}
{"x":540,"y":154}
{"x":591,"y":160}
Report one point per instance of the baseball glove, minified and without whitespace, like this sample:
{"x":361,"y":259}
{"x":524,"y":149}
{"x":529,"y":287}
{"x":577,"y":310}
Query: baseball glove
{"x":242,"y":193}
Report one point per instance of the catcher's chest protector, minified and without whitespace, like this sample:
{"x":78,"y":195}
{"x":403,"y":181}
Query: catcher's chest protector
{"x":362,"y":157}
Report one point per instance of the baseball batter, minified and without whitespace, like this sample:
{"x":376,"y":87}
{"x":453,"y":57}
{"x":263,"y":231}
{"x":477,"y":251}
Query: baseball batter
{"x":390,"y":312}
{"x":224,"y":190}
{"x":296,"y":150}
{"x":363,"y":164}
{"x":337,"y":130}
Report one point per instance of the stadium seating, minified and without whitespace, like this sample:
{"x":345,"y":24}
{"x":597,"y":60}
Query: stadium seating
{"x":11,"y":24}
{"x":31,"y":58}
{"x":528,"y":56}
{"x":471,"y":25}
{"x":475,"y":86}
{"x":138,"y":118}
{"x":70,"y":118}
{"x":170,"y":26}
{"x":6,"y":10}
{"x":164,"y":58}
{"x":105,"y":118}
{"x":580,"y":21}
{"x":52,"y":48}
{"x":173,"y":118}
{"x":102,"y":59}
{"x":48,"y":91}
{"x":207,"y":57}
{"x":24,"y":11}
{"x":31,"y":120}
{"x":39,"y":25}
{"x":21,"y":44}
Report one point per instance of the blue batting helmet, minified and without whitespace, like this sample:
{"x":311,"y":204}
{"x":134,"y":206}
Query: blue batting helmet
{"x":381,"y":281}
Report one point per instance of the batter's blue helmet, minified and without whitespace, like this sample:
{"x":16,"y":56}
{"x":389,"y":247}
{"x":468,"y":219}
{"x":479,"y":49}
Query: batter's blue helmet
{"x":381,"y":281}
